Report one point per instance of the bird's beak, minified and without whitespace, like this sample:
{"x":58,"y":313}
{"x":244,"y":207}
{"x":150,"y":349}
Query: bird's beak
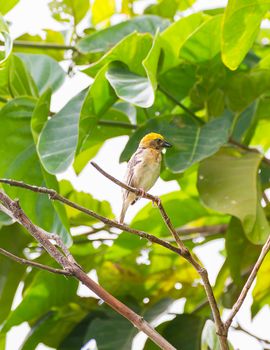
{"x":166,"y":144}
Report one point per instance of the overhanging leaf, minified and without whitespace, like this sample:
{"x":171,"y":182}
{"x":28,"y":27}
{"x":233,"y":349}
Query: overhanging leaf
{"x":223,"y":180}
{"x":241,"y":23}
{"x":105,"y":39}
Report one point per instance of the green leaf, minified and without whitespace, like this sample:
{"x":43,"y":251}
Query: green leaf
{"x":6,"y":6}
{"x":54,"y":327}
{"x":102,"y":10}
{"x":241,"y":23}
{"x":222,"y":183}
{"x":204,"y":43}
{"x":19,"y":161}
{"x":103,"y":40}
{"x":131,"y":50}
{"x":46,"y":72}
{"x":183,"y":332}
{"x":41,"y":296}
{"x":58,"y":139}
{"x":134,"y":88}
{"x":20,"y":81}
{"x":175,"y":36}
{"x":190,"y":141}
{"x":111,"y":333}
{"x":40,"y":114}
{"x":103,"y":132}
{"x":94,"y":107}
{"x":14,"y":239}
{"x":130,"y":87}
{"x":236,"y":242}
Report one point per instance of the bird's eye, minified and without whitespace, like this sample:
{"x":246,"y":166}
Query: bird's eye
{"x":159,"y":141}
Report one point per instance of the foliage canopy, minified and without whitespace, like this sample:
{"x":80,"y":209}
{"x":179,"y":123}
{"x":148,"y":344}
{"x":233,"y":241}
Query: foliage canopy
{"x":203,"y":81}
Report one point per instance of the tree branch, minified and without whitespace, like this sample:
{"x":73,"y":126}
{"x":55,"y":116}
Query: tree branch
{"x":72,"y":268}
{"x":203,"y":230}
{"x":33,"y":263}
{"x":185,"y":254}
{"x":252,"y":276}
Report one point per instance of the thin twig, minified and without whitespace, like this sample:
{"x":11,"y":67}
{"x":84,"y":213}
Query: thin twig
{"x":33,"y":263}
{"x":252,"y":276}
{"x":40,"y":45}
{"x":74,"y":270}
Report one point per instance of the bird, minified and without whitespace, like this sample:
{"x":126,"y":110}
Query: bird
{"x":143,"y":168}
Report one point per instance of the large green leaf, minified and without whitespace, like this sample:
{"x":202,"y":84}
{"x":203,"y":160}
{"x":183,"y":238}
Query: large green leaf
{"x":241,"y":23}
{"x":101,"y":133}
{"x":19,"y":161}
{"x":46,"y":72}
{"x":42,"y":296}
{"x":183,"y":332}
{"x":59,"y":137}
{"x":204,"y":43}
{"x":223,"y":181}
{"x":103,"y":40}
{"x":94,"y":107}
{"x":40,"y":114}
{"x":20,"y":81}
{"x":131,"y":50}
{"x":55,"y":326}
{"x":175,"y":36}
{"x":14,"y":239}
{"x":132,"y":87}
{"x":236,"y":242}
{"x":190,"y":141}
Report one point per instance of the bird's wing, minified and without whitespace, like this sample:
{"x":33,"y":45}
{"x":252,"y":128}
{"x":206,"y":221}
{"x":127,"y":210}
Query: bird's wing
{"x":133,"y":162}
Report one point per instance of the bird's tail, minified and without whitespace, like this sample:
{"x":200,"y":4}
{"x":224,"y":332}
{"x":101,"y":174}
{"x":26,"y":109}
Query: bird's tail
{"x":123,"y":211}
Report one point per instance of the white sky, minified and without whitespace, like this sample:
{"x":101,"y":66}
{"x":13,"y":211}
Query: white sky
{"x":101,"y":188}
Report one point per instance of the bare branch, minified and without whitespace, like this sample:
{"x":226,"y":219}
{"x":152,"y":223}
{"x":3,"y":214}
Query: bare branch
{"x":72,"y":268}
{"x":252,"y":276}
{"x":33,"y":263}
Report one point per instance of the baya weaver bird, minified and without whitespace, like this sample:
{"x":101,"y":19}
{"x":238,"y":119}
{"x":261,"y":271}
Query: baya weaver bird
{"x":143,"y":168}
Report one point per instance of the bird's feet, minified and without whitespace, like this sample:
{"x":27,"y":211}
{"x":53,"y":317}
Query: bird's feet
{"x":141,"y":192}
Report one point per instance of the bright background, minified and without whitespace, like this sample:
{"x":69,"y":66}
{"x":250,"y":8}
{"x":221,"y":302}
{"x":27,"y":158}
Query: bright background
{"x":32,"y":16}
